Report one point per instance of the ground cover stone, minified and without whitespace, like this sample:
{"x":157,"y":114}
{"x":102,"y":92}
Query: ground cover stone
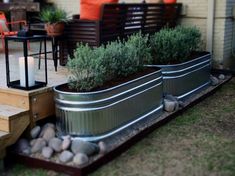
{"x":22,"y":145}
{"x":47,"y":125}
{"x":169,"y":105}
{"x":47,"y":152}
{"x":55,"y":144}
{"x":80,"y":159}
{"x":66,"y":156}
{"x":32,"y":142}
{"x":27,"y":151}
{"x":44,"y":144}
{"x":39,"y":144}
{"x":66,"y":143}
{"x":35,"y":131}
{"x":88,"y":148}
{"x":221,"y":77}
{"x":48,"y":134}
{"x":214,"y":80}
{"x":171,"y":97}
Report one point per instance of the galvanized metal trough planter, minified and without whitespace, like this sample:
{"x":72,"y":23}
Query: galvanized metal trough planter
{"x":93,"y":116}
{"x":183,"y":80}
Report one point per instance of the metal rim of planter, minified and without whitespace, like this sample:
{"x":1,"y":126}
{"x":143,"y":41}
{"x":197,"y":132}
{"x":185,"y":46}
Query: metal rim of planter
{"x":187,"y":78}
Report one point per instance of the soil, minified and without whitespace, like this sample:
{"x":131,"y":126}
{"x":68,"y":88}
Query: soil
{"x":111,"y":83}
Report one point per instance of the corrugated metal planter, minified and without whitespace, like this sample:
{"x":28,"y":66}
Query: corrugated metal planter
{"x":96,"y":115}
{"x":183,"y":80}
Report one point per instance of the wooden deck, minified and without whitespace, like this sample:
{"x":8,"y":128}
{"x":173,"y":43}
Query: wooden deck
{"x":22,"y":109}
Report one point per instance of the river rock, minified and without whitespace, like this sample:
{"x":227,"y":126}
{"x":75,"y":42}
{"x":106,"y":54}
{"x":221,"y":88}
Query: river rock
{"x":22,"y":145}
{"x":55,"y":144}
{"x":35,"y":131}
{"x":80,"y":159}
{"x":47,"y":125}
{"x":39,"y":144}
{"x":66,"y":156}
{"x":169,"y":106}
{"x":214,"y":80}
{"x":221,"y":77}
{"x":171,"y":97}
{"x":49,"y":133}
{"x":88,"y":148}
{"x":47,"y":152}
{"x":66,"y":143}
{"x":103,"y":147}
{"x":27,"y":151}
{"x":32,"y":142}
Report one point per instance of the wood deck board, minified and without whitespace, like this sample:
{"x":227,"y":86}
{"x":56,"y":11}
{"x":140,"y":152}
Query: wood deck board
{"x":17,"y":127}
{"x":9,"y":112}
{"x":4,"y":125}
{"x":3,"y":134}
{"x":4,"y":137}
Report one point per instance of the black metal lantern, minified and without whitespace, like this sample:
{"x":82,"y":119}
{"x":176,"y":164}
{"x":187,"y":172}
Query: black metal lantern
{"x":26,"y":65}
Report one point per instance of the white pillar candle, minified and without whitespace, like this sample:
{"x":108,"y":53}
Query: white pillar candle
{"x":31,"y":71}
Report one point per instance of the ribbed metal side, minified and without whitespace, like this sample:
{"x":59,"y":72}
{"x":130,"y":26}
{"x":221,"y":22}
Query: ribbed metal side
{"x":183,"y":80}
{"x":101,"y":113}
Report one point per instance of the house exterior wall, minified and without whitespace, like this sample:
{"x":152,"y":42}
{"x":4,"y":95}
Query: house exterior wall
{"x":70,"y":6}
{"x":196,"y":14}
{"x":196,"y":17}
{"x":229,"y":29}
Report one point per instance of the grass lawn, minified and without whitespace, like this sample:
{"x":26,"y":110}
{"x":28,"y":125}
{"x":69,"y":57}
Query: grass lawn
{"x":199,"y":142}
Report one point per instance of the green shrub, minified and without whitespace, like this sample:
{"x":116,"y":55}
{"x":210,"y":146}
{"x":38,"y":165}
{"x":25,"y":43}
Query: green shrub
{"x":193,"y":37}
{"x":90,"y":68}
{"x":174,"y":45}
{"x":81,"y":68}
{"x":137,"y":53}
{"x":112,"y":58}
{"x":53,"y":15}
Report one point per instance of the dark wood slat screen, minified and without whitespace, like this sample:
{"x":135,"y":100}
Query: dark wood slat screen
{"x":119,"y":21}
